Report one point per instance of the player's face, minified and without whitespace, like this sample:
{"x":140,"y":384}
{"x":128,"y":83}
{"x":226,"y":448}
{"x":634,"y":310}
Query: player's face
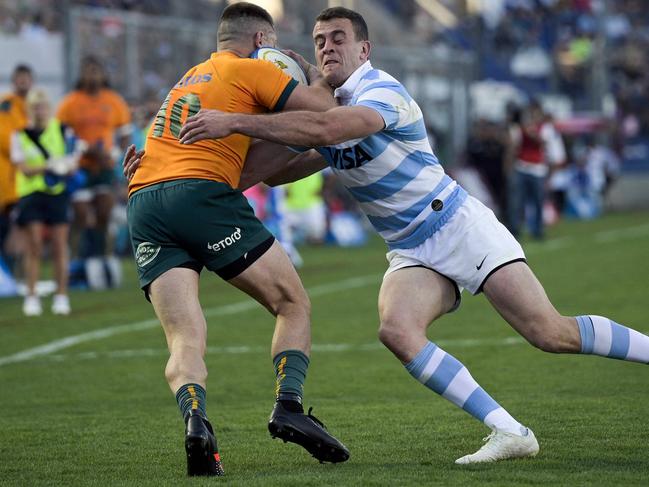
{"x":92,"y":75}
{"x":22,"y":83}
{"x":337,"y":52}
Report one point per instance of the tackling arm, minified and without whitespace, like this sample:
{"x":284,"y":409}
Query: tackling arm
{"x":275,"y":164}
{"x":310,"y":129}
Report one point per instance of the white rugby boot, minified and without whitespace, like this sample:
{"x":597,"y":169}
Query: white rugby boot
{"x":32,"y":306}
{"x":502,"y":446}
{"x":61,"y":304}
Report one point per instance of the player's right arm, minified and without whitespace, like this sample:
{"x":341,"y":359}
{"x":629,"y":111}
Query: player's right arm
{"x":274,"y":164}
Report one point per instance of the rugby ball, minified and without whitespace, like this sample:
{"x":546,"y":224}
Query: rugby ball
{"x":283,"y":61}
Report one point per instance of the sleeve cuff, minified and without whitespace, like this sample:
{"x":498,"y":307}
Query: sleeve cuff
{"x":279,"y":106}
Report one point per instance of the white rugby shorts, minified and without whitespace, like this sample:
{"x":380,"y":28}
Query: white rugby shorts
{"x":467,"y":250}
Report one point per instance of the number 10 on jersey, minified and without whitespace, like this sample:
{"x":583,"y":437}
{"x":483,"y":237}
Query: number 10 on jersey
{"x":175,"y":114}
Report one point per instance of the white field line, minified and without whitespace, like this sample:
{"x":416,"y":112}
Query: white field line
{"x":549,"y":245}
{"x":611,"y":236}
{"x":603,"y":237}
{"x":228,"y":309}
{"x":245,"y":349}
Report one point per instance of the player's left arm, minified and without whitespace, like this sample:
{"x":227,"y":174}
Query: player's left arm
{"x":277,"y":91}
{"x":310,"y":129}
{"x":317,"y":96}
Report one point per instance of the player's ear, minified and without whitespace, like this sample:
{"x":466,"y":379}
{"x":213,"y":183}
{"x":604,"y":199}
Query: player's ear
{"x":365,"y":50}
{"x":260,"y":37}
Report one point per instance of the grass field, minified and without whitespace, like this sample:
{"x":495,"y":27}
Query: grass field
{"x":91,"y":407}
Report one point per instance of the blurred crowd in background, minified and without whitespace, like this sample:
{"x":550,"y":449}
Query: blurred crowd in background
{"x":537,"y":159}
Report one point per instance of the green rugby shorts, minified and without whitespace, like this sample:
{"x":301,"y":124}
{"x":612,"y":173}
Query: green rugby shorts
{"x":193,"y":223}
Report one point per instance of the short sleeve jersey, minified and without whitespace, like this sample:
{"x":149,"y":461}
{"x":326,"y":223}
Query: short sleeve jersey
{"x":13,"y":117}
{"x":225,"y":82}
{"x":94,"y":117}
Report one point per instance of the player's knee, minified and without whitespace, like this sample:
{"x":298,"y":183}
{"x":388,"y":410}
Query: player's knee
{"x":553,"y":337}
{"x":292,"y":302}
{"x":391,"y":334}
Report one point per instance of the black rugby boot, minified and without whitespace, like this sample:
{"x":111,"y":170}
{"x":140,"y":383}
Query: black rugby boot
{"x":201,"y":448}
{"x":308,"y":432}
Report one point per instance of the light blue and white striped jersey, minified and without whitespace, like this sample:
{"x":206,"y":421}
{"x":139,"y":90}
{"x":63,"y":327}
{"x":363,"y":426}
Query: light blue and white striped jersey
{"x":393,"y":174}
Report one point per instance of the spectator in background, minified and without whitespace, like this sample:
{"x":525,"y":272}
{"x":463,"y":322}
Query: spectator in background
{"x":512,"y":138}
{"x":486,"y":153}
{"x":596,"y":167}
{"x":277,"y":223}
{"x":557,"y":160}
{"x":269,"y":205}
{"x":13,"y":116}
{"x":530,"y":172}
{"x":306,"y":213}
{"x":38,"y":153}
{"x":603,"y":166}
{"x":98,"y":115}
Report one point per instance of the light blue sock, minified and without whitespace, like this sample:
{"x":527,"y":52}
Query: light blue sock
{"x":601,"y":336}
{"x":445,"y":375}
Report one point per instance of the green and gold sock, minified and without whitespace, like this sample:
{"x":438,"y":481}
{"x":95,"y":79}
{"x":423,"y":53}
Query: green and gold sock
{"x":290,"y":373}
{"x":191,"y":400}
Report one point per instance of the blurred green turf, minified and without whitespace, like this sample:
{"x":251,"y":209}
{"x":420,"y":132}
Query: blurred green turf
{"x":99,"y":413}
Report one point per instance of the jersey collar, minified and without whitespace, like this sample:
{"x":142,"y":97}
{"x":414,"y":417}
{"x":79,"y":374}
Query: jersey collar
{"x":345,"y":92}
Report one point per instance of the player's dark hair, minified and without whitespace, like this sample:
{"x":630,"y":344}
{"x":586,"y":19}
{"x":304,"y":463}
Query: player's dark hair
{"x":358,"y":22}
{"x":240,"y":19}
{"x":240,"y":10}
{"x":92,"y":61}
{"x":22,"y":69}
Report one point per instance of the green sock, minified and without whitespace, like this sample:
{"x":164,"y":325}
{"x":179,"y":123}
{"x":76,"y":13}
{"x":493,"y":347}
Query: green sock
{"x":290,"y":371}
{"x":191,"y":400}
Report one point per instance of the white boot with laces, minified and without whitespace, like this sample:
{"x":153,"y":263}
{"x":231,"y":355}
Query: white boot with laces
{"x":502,"y":446}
